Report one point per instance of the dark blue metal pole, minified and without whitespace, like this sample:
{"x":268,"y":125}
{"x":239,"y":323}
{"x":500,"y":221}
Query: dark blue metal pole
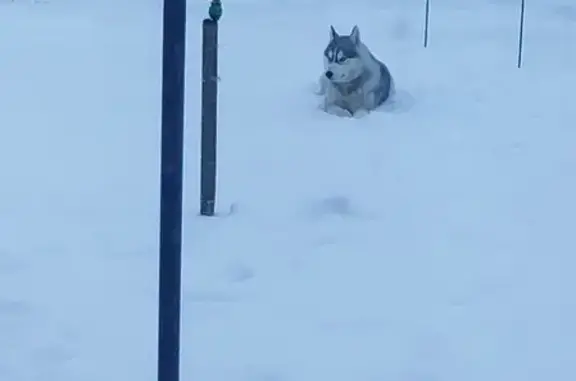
{"x":521,"y":33}
{"x":426,"y":22}
{"x":173,"y":64}
{"x":209,"y":109}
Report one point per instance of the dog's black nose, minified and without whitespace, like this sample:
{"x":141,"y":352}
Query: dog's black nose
{"x":329,"y":74}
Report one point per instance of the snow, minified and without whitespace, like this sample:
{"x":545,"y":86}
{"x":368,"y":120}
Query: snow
{"x":429,"y":241}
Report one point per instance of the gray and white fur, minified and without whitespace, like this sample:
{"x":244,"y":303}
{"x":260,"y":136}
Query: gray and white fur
{"x":354,"y":82}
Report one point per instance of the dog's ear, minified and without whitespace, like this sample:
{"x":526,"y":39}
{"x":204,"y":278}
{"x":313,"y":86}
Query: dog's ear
{"x":333,"y":33}
{"x":355,"y":35}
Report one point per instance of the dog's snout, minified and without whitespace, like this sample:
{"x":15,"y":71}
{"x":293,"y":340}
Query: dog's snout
{"x":329,"y":74}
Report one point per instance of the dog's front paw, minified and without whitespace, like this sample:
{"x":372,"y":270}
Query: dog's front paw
{"x":337,"y":111}
{"x":360,"y":113}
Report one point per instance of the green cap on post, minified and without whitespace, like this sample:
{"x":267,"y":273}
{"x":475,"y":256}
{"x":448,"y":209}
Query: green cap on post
{"x":215,"y":10}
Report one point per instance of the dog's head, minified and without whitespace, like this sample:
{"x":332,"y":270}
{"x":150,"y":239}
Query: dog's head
{"x":342,"y":63}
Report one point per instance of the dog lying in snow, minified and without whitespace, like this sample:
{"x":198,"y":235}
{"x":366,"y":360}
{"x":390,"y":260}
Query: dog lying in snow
{"x":354,"y":82}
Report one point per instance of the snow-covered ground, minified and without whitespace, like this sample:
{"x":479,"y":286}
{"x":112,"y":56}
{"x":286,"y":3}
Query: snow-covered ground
{"x":432,"y":241}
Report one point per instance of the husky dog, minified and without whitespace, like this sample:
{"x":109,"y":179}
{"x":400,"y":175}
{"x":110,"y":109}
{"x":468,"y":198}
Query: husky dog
{"x":354,"y":82}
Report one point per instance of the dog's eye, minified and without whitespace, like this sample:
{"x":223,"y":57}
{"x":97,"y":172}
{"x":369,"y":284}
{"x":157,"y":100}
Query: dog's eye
{"x":343,"y":59}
